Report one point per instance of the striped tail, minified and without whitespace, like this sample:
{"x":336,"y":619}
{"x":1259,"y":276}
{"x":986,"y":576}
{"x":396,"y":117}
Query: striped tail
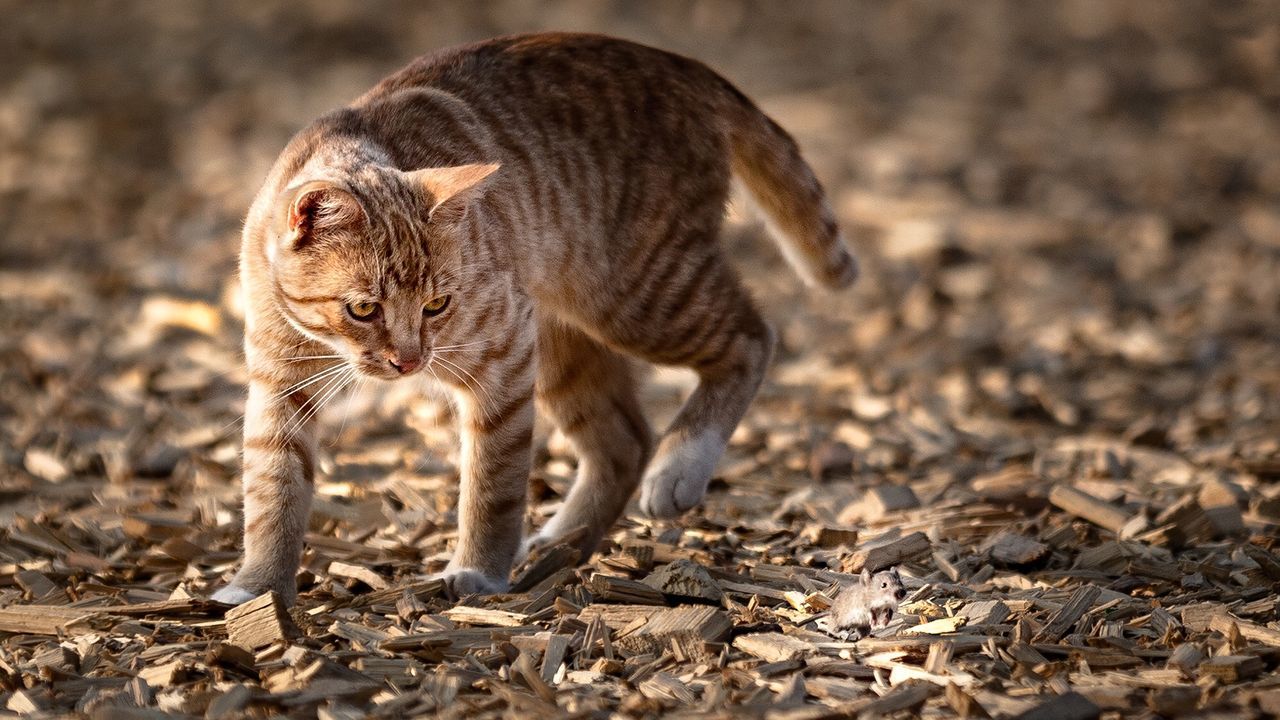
{"x":799,"y":217}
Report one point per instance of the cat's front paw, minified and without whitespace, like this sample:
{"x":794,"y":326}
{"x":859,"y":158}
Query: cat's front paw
{"x":460,"y":582}
{"x":249,"y":584}
{"x":677,"y":478}
{"x":234,"y":595}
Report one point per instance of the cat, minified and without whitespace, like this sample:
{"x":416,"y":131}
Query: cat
{"x":513,"y":219}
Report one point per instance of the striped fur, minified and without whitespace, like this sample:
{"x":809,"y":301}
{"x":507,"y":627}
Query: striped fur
{"x":565,"y":194}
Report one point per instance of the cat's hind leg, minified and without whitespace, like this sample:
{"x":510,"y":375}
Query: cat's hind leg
{"x":588,"y":391}
{"x":693,"y":313}
{"x":677,"y":477}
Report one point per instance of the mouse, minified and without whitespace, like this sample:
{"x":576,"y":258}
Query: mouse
{"x":867,"y":604}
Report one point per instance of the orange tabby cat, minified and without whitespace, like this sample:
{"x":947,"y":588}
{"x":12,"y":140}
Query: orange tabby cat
{"x":511,"y":219}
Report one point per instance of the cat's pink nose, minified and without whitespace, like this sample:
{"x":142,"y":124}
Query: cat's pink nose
{"x":404,"y":365}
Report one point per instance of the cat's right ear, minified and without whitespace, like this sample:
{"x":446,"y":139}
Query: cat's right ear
{"x":451,"y":188}
{"x":313,"y":209}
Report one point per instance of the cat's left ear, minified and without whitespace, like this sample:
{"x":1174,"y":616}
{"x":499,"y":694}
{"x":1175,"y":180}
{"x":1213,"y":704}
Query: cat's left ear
{"x":315,"y":209}
{"x":451,"y":188}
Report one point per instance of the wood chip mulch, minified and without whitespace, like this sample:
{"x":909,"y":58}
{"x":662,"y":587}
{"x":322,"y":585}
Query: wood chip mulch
{"x":1143,"y":583}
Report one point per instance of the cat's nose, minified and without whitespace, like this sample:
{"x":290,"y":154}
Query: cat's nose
{"x":404,"y":365}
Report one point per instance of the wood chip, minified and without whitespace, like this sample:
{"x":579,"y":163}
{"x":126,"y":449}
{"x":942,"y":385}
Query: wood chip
{"x":689,"y":627}
{"x":937,"y":627}
{"x":906,"y":696}
{"x":1231,"y":669}
{"x":358,"y":572}
{"x":608,"y":588}
{"x":683,"y":581}
{"x":888,"y":554}
{"x":1014,"y":549}
{"x":773,"y":647}
{"x":1065,"y":618}
{"x":464,"y":615}
{"x":1084,"y":505}
{"x":1068,"y":706}
{"x":259,"y":622}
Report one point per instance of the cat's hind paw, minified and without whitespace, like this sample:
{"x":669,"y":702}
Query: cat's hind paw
{"x":460,"y":582}
{"x":677,"y":478}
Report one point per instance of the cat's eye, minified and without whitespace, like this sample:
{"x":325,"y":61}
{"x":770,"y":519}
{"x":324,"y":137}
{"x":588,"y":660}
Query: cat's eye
{"x":362,"y":310}
{"x":436,"y":305}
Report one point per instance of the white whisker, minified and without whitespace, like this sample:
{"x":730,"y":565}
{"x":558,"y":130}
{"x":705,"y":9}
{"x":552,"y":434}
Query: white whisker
{"x":223,"y":434}
{"x":327,"y":372}
{"x":310,"y":357}
{"x":477,"y":389}
{"x":466,"y":344}
{"x":309,"y":381}
{"x":346,"y":413}
{"x":289,"y":426}
{"x":325,"y":398}
{"x":484,"y":408}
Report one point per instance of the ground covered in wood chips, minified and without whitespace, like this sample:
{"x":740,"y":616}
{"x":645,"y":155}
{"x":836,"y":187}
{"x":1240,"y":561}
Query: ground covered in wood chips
{"x":1053,"y":401}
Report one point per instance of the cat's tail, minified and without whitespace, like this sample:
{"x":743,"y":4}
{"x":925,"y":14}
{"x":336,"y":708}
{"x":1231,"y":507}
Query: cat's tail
{"x":799,"y":217}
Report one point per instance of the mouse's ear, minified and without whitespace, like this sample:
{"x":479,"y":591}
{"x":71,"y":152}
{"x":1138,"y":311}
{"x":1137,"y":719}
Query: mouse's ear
{"x":896,"y":576}
{"x":866,"y":575}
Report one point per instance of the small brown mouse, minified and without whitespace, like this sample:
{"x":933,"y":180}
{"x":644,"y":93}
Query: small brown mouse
{"x":869,"y":603}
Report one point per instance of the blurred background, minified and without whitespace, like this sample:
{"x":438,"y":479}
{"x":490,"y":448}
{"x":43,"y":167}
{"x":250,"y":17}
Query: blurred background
{"x":1066,"y":213}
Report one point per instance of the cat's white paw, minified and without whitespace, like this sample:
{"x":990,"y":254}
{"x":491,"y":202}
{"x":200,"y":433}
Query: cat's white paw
{"x":234,"y":595}
{"x":460,"y":582}
{"x":677,"y":478}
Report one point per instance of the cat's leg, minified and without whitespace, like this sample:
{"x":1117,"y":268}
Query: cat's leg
{"x":677,"y":478}
{"x":588,"y":391}
{"x":696,"y":315}
{"x":279,"y":466}
{"x":495,"y":414}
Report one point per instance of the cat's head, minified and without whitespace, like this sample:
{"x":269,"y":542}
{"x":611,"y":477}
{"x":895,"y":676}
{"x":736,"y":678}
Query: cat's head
{"x":369,"y":262}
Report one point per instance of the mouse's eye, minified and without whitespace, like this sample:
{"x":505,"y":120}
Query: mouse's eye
{"x":362,"y":310}
{"x":436,"y":305}
{"x":884,"y":585}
